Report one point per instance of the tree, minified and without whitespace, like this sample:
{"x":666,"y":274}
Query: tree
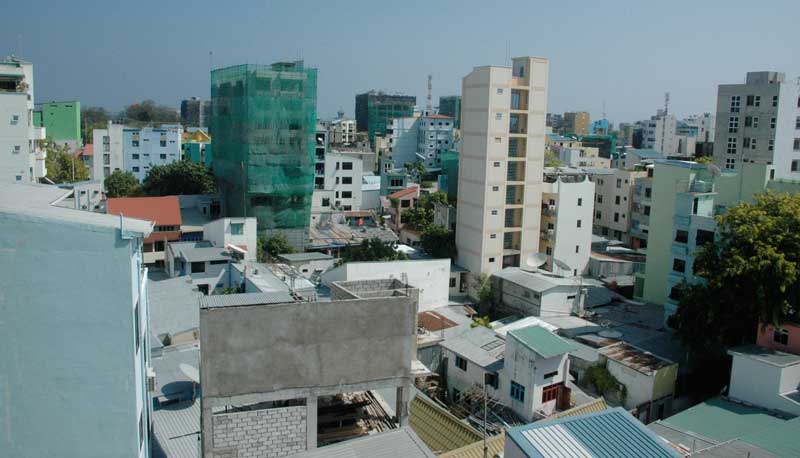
{"x":370,"y":250}
{"x":439,"y":242}
{"x":62,"y":165}
{"x":551,"y":159}
{"x":704,"y":160}
{"x":750,"y":274}
{"x":484,"y":289}
{"x":418,"y":218}
{"x":484,"y":321}
{"x":270,"y":246}
{"x":92,"y":118}
{"x":179,"y":178}
{"x":148,"y":112}
{"x":122,"y":184}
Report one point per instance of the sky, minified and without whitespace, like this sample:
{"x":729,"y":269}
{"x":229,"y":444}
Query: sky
{"x":624,"y":54}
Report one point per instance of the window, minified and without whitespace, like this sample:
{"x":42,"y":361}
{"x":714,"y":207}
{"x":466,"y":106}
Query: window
{"x":495,"y":188}
{"x":679,"y":265}
{"x":405,"y":203}
{"x":326,"y":201}
{"x":681,"y":236}
{"x":616,"y":200}
{"x":646,"y":210}
{"x":702,"y":237}
{"x":598,"y":215}
{"x":198,"y":267}
{"x":755,"y":122}
{"x":774,"y":100}
{"x":517,"y":391}
{"x":695,"y":204}
{"x":648,"y":192}
{"x":14,"y":120}
{"x":493,"y":236}
{"x":347,"y":166}
{"x":578,"y":223}
{"x":599,"y":198}
{"x":136,"y":331}
{"x":135,"y":156}
{"x":452,"y":282}
{"x":16,"y":149}
{"x":781,"y":336}
{"x":753,"y":143}
{"x":797,"y":123}
{"x":499,"y":90}
{"x":237,"y":228}
{"x":498,"y":116}
{"x":347,"y":180}
{"x":771,"y":145}
{"x":498,"y":139}
{"x":796,"y":145}
{"x":675,"y":293}
{"x":772,"y":123}
{"x":461,"y":363}
{"x":163,"y":156}
{"x":550,"y":393}
{"x":162,"y":143}
{"x":795,"y":166}
{"x":730,"y":163}
{"x":577,"y":248}
{"x":548,"y":251}
{"x":492,"y":380}
{"x":347,"y":194}
{"x":733,"y":125}
{"x":580,"y":202}
{"x":735,"y":103}
{"x":494,"y":212}
{"x":748,"y":121}
{"x":135,"y":169}
{"x":731,"y":145}
{"x":616,"y":217}
{"x":496,"y":164}
{"x":757,"y":101}
{"x":491,"y":259}
{"x":619,"y":182}
{"x":746,"y":142}
{"x":551,"y":374}
{"x":750,"y":100}
{"x":141,"y":430}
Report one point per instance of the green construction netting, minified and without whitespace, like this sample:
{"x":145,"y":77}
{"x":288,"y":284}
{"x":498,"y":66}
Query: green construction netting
{"x":263,"y":123}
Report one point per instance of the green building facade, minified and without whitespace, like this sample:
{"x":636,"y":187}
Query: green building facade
{"x":263,"y":123}
{"x":62,"y":121}
{"x":374,"y":110}
{"x":450,"y":105}
{"x":199,"y":152}
{"x":448,"y":180}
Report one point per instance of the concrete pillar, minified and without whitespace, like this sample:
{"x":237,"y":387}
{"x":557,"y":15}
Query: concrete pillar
{"x":311,"y":422}
{"x":401,"y":409}
{"x":206,"y":430}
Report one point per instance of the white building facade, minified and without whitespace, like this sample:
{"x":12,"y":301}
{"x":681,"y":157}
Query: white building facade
{"x":501,"y":161}
{"x":20,"y":159}
{"x":567,"y":216}
{"x":107,"y":151}
{"x":613,"y":202}
{"x":337,"y":186}
{"x":143,"y":148}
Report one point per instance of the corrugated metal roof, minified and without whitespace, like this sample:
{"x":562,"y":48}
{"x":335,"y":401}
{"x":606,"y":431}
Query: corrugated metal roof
{"x":479,"y":345}
{"x":177,"y":430}
{"x":401,"y":443}
{"x":299,"y":257}
{"x":598,"y":405}
{"x":163,"y":211}
{"x":495,"y":446}
{"x":542,"y":341}
{"x":235,"y":300}
{"x":439,"y":429}
{"x":611,"y":433}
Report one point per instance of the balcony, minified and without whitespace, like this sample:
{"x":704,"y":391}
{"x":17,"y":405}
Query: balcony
{"x":319,"y":171}
{"x":514,"y":194}
{"x":548,"y":210}
{"x":519,"y":100}
{"x":511,"y":243}
{"x":515,"y":171}
{"x":548,"y":234}
{"x":516,"y":148}
{"x":513,"y":218}
{"x":700,"y":186}
{"x":518,"y":123}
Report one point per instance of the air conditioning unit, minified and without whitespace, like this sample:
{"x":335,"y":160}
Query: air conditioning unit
{"x":551,"y":231}
{"x":151,"y":379}
{"x":552,"y":208}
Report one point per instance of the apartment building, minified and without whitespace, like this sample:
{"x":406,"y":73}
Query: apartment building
{"x":500,"y":164}
{"x":20,"y":159}
{"x":450,"y":105}
{"x":143,"y":148}
{"x":642,"y":203}
{"x":75,"y":359}
{"x":337,"y":186}
{"x":420,"y":139}
{"x":374,"y":110}
{"x":62,"y":121}
{"x":195,"y":112}
{"x":107,"y":151}
{"x":163,"y":212}
{"x":567,"y":209}
{"x":575,"y":123}
{"x":659,"y":133}
{"x":342,"y":131}
{"x":759,"y":122}
{"x":613,"y":202}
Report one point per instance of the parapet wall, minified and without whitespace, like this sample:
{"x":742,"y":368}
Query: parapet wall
{"x":263,"y":433}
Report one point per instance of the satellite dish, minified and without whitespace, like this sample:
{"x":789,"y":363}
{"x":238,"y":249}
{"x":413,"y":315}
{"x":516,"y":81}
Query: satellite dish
{"x":190,"y":371}
{"x":535,"y":261}
{"x":562,"y":265}
{"x":714,"y":170}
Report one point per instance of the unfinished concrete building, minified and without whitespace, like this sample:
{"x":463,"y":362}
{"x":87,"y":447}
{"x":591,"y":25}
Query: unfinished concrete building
{"x":268,"y":370}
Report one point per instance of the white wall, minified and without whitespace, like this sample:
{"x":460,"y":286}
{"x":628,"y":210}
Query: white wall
{"x":760,"y":384}
{"x":639,"y":386}
{"x":107,"y":157}
{"x":568,"y":235}
{"x":16,"y":137}
{"x":463,"y":380}
{"x":430,"y":276}
{"x":219,"y":233}
{"x":139,"y":159}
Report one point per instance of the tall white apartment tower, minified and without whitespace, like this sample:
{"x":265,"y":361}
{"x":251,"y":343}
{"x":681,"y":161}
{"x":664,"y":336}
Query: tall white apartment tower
{"x":759,"y":122}
{"x":500,"y":166}
{"x":20,"y":159}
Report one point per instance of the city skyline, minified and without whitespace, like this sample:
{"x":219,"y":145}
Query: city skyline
{"x":396,"y":51}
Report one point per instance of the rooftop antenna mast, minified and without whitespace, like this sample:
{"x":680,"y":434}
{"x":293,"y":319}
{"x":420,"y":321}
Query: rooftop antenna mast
{"x":664,"y":120}
{"x":429,"y":103}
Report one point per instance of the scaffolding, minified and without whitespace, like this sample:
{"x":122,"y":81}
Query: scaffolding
{"x":263,"y":122}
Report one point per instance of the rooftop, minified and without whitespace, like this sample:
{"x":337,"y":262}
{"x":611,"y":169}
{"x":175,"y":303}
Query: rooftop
{"x":173,"y":306}
{"x":200,"y":251}
{"x":176,"y":428}
{"x":766,"y":355}
{"x":646,"y":153}
{"x":542,"y":341}
{"x":245,"y":299}
{"x":302,"y":257}
{"x":536,"y":281}
{"x":439,"y":429}
{"x":480,"y":345}
{"x":635,"y":358}
{"x":39,"y":201}
{"x":163,"y":211}
{"x":404,"y":192}
{"x":401,"y":442}
{"x":611,"y":433}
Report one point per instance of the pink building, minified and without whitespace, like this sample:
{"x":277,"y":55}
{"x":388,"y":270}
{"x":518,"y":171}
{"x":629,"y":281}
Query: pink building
{"x":786,"y":337}
{"x":398,"y":202}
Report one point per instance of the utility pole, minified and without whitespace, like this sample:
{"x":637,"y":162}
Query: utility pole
{"x":429,"y":105}
{"x":485,"y":447}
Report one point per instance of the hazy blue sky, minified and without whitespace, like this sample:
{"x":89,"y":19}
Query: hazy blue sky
{"x":626,"y":53}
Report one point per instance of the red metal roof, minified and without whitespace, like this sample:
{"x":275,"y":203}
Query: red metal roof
{"x":163,"y":211}
{"x":403,"y":192}
{"x":438,"y":116}
{"x":87,"y":150}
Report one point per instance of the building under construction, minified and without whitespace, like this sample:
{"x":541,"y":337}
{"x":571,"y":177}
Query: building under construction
{"x":374,"y":110}
{"x":263,"y":123}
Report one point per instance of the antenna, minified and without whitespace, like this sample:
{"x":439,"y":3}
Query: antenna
{"x":664,"y":122}
{"x":211,"y":60}
{"x":429,"y":104}
{"x":508,"y":52}
{"x":604,"y":109}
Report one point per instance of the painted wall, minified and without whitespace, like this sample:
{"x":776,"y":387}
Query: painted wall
{"x":528,"y":369}
{"x":219,"y":233}
{"x":62,"y":121}
{"x":107,"y":151}
{"x":430,"y":276}
{"x":155,"y":147}
{"x":16,"y":126}
{"x":69,"y":371}
{"x":766,"y":338}
{"x":760,"y":383}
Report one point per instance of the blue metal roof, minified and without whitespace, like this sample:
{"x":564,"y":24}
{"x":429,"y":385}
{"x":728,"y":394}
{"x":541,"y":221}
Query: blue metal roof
{"x":612,"y":433}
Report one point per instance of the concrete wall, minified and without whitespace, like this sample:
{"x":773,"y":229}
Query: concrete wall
{"x":149,"y":152}
{"x":15,"y":159}
{"x":219,"y":232}
{"x":430,"y":276}
{"x":297,"y":346}
{"x":761,"y":383}
{"x":553,"y":302}
{"x":263,"y":433}
{"x":527,"y":369}
{"x":70,"y":374}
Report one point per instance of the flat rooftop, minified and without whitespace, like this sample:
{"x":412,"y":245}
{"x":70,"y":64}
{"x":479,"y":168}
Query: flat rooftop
{"x":245,"y":299}
{"x":635,"y":358}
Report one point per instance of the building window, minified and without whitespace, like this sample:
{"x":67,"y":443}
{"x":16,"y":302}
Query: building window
{"x":347,"y":180}
{"x":347,"y":166}
{"x":755,"y":122}
{"x":619,"y":182}
{"x":491,"y":259}
{"x":733,"y":125}
{"x":735,"y":103}
{"x":796,"y":145}
{"x":795,"y":166}
{"x":730,"y":163}
{"x":616,"y":200}
{"x":616,"y":217}
{"x":648,"y":192}
{"x":548,"y":251}
{"x":141,"y":429}
{"x":550,"y":393}
{"x":599,"y":198}
{"x":702,"y":237}
{"x":580,"y":202}
{"x":496,"y":164}
{"x":452,"y":282}
{"x":695,"y":205}
{"x":774,"y":100}
{"x":492,"y":380}
{"x":746,"y":142}
{"x":551,"y":374}
{"x":781,"y":336}
{"x":498,"y":139}
{"x":772,"y":123}
{"x":347,"y":194}
{"x":679,"y":265}
{"x":578,"y":223}
{"x":163,"y":156}
{"x":770,"y":145}
{"x":495,"y":188}
{"x":598,"y":215}
{"x":237,"y":228}
{"x":136,"y":331}
{"x":646,"y":210}
{"x":326,"y":201}
{"x":498,"y":116}
{"x":493,"y":236}
{"x":494,"y":212}
{"x":748,"y":121}
{"x":461,"y":363}
{"x":517,"y":391}
{"x":198,"y":267}
{"x":753,"y":143}
{"x":731,"y":145}
{"x":135,"y":169}
{"x":499,"y":90}
{"x":404,"y":203}
{"x":577,"y":248}
{"x":682,"y":236}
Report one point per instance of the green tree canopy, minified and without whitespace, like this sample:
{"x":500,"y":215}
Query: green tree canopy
{"x":270,"y":246}
{"x":62,"y":165}
{"x":179,"y":178}
{"x":122,"y":184}
{"x":418,"y":218}
{"x":439,"y":242}
{"x":749,"y":276}
{"x":551,"y":159}
{"x":149,"y":112}
{"x":371,"y":250}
